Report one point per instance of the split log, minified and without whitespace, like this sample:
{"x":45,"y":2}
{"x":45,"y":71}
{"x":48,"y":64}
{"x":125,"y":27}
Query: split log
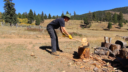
{"x":103,"y":51}
{"x":121,"y":43}
{"x":107,"y":45}
{"x":124,"y":53}
{"x":83,"y":52}
{"x":84,"y":42}
{"x":115,"y":48}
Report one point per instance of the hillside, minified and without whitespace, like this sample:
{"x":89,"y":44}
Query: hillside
{"x":124,"y":10}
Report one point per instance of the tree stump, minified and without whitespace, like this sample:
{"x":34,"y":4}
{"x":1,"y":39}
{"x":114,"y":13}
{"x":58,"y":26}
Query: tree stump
{"x":83,"y":52}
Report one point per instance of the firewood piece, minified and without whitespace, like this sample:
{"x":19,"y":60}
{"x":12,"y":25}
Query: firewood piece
{"x":106,"y":39}
{"x":107,"y":45}
{"x":121,"y":43}
{"x":115,"y":48}
{"x":103,"y":51}
{"x":83,"y":52}
{"x":124,"y":53}
{"x":84,"y":42}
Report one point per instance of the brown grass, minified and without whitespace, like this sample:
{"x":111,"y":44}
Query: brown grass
{"x":17,"y":45}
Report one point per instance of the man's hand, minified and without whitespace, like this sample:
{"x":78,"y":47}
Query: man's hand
{"x":70,"y":37}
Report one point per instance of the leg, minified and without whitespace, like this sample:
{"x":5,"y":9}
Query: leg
{"x":53,"y":38}
{"x":57,"y":43}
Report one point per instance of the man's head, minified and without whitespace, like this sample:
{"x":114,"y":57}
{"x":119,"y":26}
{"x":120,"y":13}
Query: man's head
{"x":66,"y":17}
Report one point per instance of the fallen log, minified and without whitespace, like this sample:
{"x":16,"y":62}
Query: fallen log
{"x":121,"y":43}
{"x":115,"y":48}
{"x":103,"y":51}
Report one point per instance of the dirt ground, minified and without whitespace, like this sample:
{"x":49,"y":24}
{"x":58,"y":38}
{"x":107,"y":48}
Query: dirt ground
{"x":27,"y":51}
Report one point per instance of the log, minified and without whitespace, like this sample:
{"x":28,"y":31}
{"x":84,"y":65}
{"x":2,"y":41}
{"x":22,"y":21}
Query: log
{"x":83,"y":52}
{"x":115,"y":48}
{"x":124,"y":53}
{"x":102,"y":51}
{"x":107,"y":45}
{"x":84,"y":42}
{"x":121,"y":43}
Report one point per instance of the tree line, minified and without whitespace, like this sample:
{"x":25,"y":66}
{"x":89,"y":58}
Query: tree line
{"x":11,"y":17}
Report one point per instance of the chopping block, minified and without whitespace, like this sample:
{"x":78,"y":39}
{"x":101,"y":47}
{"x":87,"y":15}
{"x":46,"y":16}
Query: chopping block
{"x":84,"y":50}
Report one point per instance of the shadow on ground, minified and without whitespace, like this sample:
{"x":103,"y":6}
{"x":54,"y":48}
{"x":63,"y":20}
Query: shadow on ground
{"x":46,"y":48}
{"x":75,"y":55}
{"x":118,"y":65}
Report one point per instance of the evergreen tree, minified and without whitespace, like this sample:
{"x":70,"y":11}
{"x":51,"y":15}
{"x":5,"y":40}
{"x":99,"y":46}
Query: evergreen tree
{"x":45,"y":16}
{"x":57,"y":16}
{"x":10,"y":15}
{"x":30,"y":17}
{"x":54,"y":17}
{"x":86,"y":21}
{"x":1,"y":17}
{"x":94,"y":16}
{"x":62,"y":14}
{"x":37,"y":20}
{"x":67,"y":12}
{"x":108,"y":16}
{"x":74,"y":13}
{"x":34,"y":15}
{"x":23,"y":16}
{"x":120,"y":17}
{"x":109,"y":25}
{"x":49,"y":16}
{"x":19,"y":15}
{"x":42,"y":17}
{"x":39,"y":16}
{"x":114,"y":18}
{"x":120,"y":24}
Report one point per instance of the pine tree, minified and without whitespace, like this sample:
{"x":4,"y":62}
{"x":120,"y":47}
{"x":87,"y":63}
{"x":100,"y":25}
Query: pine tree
{"x":62,"y":14}
{"x":34,"y":15}
{"x":120,"y":17}
{"x":45,"y":16}
{"x":67,"y":12}
{"x":108,"y":16}
{"x":86,"y":21}
{"x":10,"y":15}
{"x":1,"y":17}
{"x":19,"y":15}
{"x":37,"y":20}
{"x":94,"y":16}
{"x":57,"y":16}
{"x":49,"y":16}
{"x":30,"y":17}
{"x":120,"y":24}
{"x":54,"y":17}
{"x":74,"y":13}
{"x":39,"y":16}
{"x":42,"y":17}
{"x":109,"y":25}
{"x":23,"y":16}
{"x":114,"y":18}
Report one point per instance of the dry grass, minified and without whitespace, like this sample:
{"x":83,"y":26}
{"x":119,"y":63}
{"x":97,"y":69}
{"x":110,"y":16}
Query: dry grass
{"x":17,"y":45}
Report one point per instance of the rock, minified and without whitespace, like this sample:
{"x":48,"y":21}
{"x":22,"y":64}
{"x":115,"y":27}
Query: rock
{"x":95,"y":69}
{"x":81,"y":67}
{"x":105,"y":69}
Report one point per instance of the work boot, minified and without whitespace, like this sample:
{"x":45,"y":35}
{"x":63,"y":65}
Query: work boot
{"x":59,"y":50}
{"x":55,"y":53}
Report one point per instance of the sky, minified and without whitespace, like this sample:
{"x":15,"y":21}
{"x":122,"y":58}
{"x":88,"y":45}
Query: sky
{"x":56,"y":7}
